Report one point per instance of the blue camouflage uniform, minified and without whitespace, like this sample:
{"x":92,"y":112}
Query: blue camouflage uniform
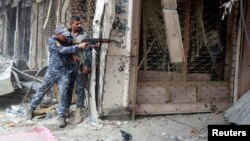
{"x":77,"y":76}
{"x":59,"y":71}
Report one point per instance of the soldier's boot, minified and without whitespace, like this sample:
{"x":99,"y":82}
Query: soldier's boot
{"x":61,"y":122}
{"x":78,"y":116}
{"x":29,"y":114}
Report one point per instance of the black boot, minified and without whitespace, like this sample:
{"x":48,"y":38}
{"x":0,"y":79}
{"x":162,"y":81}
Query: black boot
{"x":61,"y":122}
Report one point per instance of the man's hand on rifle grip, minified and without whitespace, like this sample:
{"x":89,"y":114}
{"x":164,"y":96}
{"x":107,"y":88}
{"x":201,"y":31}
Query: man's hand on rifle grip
{"x":96,"y":45}
{"x":82,"y":45}
{"x":86,"y":69}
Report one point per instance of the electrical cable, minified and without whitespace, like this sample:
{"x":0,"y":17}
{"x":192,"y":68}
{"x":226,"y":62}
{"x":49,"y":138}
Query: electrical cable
{"x":48,"y":14}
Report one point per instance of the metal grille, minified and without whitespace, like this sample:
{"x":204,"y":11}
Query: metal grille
{"x":153,"y":48}
{"x":83,"y":8}
{"x":51,"y":25}
{"x":90,"y":6}
{"x":206,"y":51}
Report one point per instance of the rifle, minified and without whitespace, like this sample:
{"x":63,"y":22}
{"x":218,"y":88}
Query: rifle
{"x":94,"y":41}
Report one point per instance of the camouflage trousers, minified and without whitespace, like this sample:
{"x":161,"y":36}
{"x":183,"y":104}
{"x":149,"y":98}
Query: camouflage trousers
{"x":49,"y":80}
{"x":77,"y":79}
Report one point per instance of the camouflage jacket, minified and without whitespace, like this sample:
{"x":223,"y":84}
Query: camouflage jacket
{"x":60,"y":62}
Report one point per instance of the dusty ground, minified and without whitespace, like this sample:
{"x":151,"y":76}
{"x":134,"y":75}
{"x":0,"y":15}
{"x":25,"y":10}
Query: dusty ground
{"x":188,"y":127}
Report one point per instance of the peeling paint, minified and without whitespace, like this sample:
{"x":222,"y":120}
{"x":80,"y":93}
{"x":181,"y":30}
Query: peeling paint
{"x":120,"y":26}
{"x":120,"y":9}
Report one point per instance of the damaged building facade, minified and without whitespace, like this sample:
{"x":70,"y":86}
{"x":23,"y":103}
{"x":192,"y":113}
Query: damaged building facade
{"x":176,"y":56}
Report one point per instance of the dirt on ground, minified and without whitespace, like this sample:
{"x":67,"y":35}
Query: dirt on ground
{"x":176,"y":127}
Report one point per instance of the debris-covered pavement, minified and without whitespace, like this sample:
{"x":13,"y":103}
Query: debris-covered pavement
{"x":187,"y":127}
{"x":178,"y":127}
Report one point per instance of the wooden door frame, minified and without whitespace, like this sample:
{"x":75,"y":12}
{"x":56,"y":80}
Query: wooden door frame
{"x":135,"y":43}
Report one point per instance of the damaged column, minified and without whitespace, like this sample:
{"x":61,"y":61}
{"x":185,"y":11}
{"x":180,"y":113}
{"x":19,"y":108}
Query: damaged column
{"x":115,"y":93}
{"x":110,"y":80}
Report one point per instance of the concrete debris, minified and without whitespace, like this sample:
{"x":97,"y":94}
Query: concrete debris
{"x":174,"y":139}
{"x":93,"y":124}
{"x":203,"y":120}
{"x":158,"y":128}
{"x":15,"y":111}
{"x":239,"y":112}
{"x":193,"y":130}
{"x":118,"y":123}
{"x":6,"y":85}
{"x":202,"y":136}
{"x":9,"y":124}
{"x":163,"y":134}
{"x":12,"y":77}
{"x":153,"y":129}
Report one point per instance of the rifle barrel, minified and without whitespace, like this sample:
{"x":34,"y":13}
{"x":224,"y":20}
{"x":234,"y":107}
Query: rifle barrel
{"x":97,"y":40}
